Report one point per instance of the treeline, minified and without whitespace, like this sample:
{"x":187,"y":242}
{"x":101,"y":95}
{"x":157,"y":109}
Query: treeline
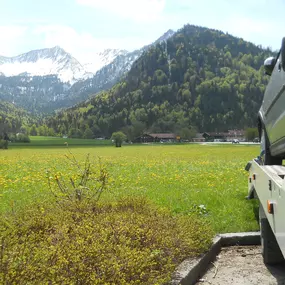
{"x":14,"y":120}
{"x":200,"y":79}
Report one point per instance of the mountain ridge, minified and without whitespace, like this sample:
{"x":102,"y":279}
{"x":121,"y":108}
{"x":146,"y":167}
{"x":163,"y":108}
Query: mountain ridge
{"x":199,"y":78}
{"x":65,"y":62}
{"x":42,"y":62}
{"x":61,"y":63}
{"x":48,"y":93}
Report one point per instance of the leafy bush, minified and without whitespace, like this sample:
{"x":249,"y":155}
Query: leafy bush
{"x":20,"y":138}
{"x":118,"y":137}
{"x":3,"y":144}
{"x":128,"y":242}
{"x":23,"y":138}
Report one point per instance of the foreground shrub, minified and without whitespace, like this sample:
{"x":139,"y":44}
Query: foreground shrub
{"x":127,"y":242}
{"x":88,"y":184}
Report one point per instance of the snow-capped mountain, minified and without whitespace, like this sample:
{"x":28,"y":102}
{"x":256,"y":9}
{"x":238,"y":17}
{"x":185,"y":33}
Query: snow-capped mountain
{"x":42,"y":62}
{"x":56,"y":61}
{"x":47,"y":79}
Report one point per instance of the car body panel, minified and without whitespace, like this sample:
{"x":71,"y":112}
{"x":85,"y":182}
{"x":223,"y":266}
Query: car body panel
{"x":272,"y":111}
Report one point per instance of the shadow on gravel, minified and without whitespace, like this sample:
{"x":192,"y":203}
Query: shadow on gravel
{"x":278,"y":271}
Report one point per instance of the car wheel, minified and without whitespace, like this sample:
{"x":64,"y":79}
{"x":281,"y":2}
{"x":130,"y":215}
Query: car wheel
{"x":266,"y":156}
{"x":270,"y":249}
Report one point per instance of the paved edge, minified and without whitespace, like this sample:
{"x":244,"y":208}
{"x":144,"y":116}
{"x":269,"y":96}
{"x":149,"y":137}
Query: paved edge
{"x":190,"y":270}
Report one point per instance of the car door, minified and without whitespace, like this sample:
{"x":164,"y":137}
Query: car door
{"x":274,"y":107}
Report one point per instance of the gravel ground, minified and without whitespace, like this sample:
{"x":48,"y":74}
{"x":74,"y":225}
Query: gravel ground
{"x":242,"y":265}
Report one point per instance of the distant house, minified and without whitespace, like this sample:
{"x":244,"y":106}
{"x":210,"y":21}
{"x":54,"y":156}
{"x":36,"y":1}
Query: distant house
{"x":211,"y":136}
{"x":159,"y":137}
{"x":224,"y":136}
{"x":236,"y":134}
{"x":199,"y":138}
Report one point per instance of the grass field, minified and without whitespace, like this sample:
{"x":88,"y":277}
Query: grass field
{"x":179,"y":177}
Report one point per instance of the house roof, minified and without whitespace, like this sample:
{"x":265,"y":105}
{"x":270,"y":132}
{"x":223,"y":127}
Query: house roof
{"x":236,"y":132}
{"x":216,"y":134}
{"x":225,"y":134}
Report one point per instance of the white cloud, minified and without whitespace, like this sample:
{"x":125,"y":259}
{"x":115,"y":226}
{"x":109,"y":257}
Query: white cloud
{"x":10,"y":38}
{"x":137,"y":10}
{"x":83,"y":45}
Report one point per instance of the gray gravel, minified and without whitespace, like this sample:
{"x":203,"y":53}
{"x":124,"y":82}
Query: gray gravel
{"x":242,"y":265}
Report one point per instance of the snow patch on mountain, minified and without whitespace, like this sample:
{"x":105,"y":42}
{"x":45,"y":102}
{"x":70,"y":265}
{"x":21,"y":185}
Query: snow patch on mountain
{"x":56,"y":61}
{"x":51,"y":61}
{"x":102,"y":59}
{"x":165,"y":36}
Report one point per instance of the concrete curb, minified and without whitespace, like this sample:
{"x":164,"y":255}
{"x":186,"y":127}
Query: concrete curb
{"x":190,"y":270}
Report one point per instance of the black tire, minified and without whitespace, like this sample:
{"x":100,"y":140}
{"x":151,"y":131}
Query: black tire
{"x":270,"y":249}
{"x":267,"y":158}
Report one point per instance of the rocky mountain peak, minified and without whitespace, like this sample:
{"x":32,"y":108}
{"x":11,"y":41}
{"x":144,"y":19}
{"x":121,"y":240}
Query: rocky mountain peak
{"x":165,"y":36}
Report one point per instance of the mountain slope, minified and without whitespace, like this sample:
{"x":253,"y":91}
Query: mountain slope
{"x":102,"y":59}
{"x":110,"y":74}
{"x":34,"y":93}
{"x":38,"y":82}
{"x":200,"y":77}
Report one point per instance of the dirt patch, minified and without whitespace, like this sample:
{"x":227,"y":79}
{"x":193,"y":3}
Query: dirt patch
{"x":243,"y":265}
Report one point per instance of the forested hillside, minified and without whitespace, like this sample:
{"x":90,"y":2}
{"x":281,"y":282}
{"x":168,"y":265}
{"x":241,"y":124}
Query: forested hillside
{"x":14,"y":120}
{"x":199,"y":78}
{"x":34,"y":93}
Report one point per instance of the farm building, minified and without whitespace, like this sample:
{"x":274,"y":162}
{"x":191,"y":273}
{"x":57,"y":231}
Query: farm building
{"x":199,"y":138}
{"x":147,"y":138}
{"x":224,"y":136}
{"x":210,"y":136}
{"x":236,"y":134}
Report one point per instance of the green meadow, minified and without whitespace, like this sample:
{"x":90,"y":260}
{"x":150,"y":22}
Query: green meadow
{"x":161,"y":205}
{"x":206,"y":179}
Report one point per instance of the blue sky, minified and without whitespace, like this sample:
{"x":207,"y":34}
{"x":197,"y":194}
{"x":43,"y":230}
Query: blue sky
{"x":83,"y":27}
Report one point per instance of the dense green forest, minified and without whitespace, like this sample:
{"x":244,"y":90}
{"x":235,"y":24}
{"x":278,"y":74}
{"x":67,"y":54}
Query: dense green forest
{"x":14,"y":120}
{"x":37,"y":94}
{"x":199,"y":79}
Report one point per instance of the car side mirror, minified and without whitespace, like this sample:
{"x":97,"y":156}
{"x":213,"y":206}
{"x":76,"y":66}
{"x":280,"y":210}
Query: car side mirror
{"x":283,"y":53}
{"x":269,"y":64}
